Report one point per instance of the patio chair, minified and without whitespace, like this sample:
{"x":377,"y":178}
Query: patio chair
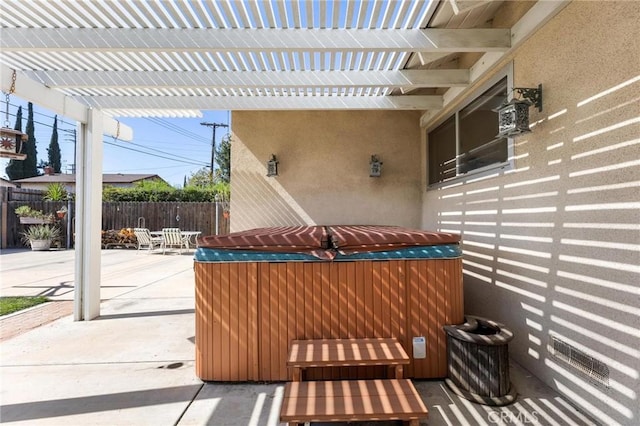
{"x":145,"y":240}
{"x":173,"y":238}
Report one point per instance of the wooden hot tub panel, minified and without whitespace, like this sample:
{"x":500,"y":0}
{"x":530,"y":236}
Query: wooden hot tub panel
{"x":247,"y":313}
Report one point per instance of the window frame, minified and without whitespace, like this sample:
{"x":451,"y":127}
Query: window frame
{"x":506,"y":71}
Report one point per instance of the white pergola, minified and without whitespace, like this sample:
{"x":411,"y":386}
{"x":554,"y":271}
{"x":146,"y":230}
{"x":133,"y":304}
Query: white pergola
{"x":93,"y":60}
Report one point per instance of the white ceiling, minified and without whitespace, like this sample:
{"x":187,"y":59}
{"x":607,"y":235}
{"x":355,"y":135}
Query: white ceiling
{"x":178,"y":57}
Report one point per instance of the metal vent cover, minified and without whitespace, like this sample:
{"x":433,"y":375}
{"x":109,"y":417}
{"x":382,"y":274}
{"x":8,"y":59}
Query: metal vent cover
{"x":588,"y":365}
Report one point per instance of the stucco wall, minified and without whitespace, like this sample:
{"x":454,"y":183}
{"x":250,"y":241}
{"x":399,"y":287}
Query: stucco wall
{"x":323,"y":170}
{"x":552,"y":246}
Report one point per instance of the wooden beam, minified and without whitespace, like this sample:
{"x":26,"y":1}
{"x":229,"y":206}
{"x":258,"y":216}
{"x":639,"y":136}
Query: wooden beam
{"x":460,"y":6}
{"x":45,"y":97}
{"x":531,"y":22}
{"x":247,"y":40}
{"x":267,"y":102}
{"x":251,"y":79}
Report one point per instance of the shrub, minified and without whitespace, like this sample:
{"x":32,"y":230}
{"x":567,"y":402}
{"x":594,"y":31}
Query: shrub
{"x":40,"y":232}
{"x":27,"y":211}
{"x":56,"y":192}
{"x":166,"y":193}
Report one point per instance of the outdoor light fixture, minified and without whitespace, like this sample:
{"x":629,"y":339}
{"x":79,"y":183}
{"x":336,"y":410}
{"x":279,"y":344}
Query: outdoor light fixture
{"x":272,"y":166}
{"x":513,"y":116}
{"x":375,"y":166}
{"x":11,"y":141}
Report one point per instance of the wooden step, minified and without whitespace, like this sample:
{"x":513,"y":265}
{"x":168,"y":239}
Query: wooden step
{"x":352,"y":400}
{"x":347,"y":353}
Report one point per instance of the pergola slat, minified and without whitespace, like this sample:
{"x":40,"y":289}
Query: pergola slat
{"x":193,"y":40}
{"x":361,"y":102}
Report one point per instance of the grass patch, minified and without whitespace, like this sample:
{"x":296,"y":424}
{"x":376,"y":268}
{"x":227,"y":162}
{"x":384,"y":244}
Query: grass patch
{"x":9,"y":305}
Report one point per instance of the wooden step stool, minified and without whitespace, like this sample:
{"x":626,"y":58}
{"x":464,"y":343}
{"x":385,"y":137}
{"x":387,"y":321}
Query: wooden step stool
{"x":347,"y":353}
{"x":350,"y":400}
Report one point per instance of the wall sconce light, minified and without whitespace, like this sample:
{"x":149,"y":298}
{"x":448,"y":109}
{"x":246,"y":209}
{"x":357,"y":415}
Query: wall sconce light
{"x":272,"y":166}
{"x":375,"y":166}
{"x":513,"y":116}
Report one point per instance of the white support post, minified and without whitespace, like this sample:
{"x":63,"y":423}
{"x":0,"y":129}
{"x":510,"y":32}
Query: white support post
{"x":88,"y":217}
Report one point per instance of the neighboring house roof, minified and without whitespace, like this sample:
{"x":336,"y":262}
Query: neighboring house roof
{"x":7,"y":183}
{"x":115,"y":178}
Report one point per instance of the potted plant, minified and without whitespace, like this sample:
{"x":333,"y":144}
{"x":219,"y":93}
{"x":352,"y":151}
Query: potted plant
{"x":56,"y":192}
{"x":61,"y":212}
{"x":40,"y":236}
{"x":31,"y":216}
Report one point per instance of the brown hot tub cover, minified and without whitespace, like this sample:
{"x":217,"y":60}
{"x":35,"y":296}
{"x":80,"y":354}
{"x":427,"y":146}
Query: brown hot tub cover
{"x":349,"y":239}
{"x":312,"y":240}
{"x":324,"y":242}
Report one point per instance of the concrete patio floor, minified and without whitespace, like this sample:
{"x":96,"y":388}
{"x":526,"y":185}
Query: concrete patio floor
{"x":135,"y":364}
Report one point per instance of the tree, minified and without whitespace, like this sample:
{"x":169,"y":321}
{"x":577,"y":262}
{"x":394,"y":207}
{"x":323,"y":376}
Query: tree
{"x":184,"y":183}
{"x":15,"y":168}
{"x":201,"y":178}
{"x":223,"y":159}
{"x":31,"y":162}
{"x":153,"y":185}
{"x":54,"y":149}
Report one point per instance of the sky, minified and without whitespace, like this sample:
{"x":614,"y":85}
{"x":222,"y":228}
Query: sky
{"x":172,"y":148}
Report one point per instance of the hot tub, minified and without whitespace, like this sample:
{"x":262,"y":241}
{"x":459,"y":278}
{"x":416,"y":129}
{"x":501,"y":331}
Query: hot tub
{"x":257,"y":290}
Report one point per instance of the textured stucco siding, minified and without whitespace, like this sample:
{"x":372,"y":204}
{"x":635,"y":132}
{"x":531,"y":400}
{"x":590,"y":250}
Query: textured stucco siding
{"x":323,"y":171}
{"x":552,"y":246}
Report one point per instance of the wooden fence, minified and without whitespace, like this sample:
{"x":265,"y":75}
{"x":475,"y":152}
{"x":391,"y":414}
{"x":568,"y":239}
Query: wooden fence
{"x":117,"y":215}
{"x":157,"y":215}
{"x":20,"y":194}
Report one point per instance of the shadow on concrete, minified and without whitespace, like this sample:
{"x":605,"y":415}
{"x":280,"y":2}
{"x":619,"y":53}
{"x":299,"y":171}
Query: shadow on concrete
{"x":146,"y":314}
{"x":96,"y":403}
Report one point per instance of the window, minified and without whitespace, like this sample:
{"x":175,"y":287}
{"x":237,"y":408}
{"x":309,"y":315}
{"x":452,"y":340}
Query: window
{"x":466,"y":141}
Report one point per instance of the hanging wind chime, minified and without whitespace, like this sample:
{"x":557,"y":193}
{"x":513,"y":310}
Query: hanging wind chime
{"x":11,"y":140}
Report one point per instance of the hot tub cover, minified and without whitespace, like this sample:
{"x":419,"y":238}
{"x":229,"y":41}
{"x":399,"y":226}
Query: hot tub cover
{"x":309,"y":240}
{"x":327,"y":242}
{"x":350,"y":239}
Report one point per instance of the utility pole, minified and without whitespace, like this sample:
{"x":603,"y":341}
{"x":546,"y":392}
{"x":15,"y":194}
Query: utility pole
{"x":214,"y":126}
{"x":72,"y":138}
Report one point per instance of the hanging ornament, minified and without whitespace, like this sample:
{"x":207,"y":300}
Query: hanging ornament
{"x":11,"y":140}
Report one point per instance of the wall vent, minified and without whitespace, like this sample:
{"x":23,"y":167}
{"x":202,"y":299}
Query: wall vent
{"x":586,"y":364}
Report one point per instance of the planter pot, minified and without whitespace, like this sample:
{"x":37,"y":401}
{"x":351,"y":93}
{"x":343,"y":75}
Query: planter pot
{"x":40,"y":245}
{"x":35,"y":220}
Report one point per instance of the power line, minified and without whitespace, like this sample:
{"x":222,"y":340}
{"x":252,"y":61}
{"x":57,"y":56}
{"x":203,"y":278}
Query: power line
{"x":170,"y":126}
{"x":167,"y":125}
{"x":131,"y":143}
{"x":60,"y":120}
{"x":172,"y":143}
{"x":156,"y":150}
{"x":138,"y":169}
{"x":177,"y":129}
{"x":155,"y":155}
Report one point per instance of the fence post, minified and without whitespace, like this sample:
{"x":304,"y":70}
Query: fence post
{"x":3,"y":225}
{"x":69,"y":234}
{"x":217,"y":216}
